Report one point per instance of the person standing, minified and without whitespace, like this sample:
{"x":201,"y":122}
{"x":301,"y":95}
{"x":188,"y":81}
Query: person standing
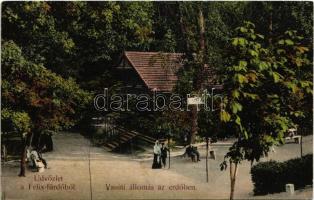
{"x":157,"y":154}
{"x":164,"y":152}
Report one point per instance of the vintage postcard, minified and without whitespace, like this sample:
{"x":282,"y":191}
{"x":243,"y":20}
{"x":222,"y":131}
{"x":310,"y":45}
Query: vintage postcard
{"x":156,"y":100}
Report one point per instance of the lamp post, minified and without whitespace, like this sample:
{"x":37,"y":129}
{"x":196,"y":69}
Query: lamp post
{"x":207,"y":142}
{"x":219,"y":87}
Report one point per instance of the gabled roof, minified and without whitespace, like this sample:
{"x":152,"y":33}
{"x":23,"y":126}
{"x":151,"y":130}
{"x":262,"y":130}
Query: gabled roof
{"x":157,"y":70}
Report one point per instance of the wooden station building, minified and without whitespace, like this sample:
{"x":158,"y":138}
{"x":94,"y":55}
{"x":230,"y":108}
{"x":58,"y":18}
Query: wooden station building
{"x":153,"y":71}
{"x":149,"y":71}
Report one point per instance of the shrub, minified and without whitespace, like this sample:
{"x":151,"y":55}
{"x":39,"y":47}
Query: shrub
{"x":272,"y":176}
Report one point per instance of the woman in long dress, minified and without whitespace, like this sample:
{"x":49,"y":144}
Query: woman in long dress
{"x":157,"y":153}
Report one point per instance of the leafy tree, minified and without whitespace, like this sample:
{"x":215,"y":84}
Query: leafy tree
{"x":82,"y":40}
{"x":31,"y":26}
{"x":14,"y":122}
{"x":263,"y":86}
{"x":274,"y":18}
{"x":32,"y":94}
{"x":206,"y":28}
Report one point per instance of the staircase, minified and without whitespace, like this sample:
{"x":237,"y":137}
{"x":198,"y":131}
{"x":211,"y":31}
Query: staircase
{"x":125,"y":136}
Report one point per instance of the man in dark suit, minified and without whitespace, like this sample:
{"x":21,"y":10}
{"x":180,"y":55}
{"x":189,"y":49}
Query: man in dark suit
{"x":164,"y":152}
{"x":190,"y":153}
{"x":195,"y":151}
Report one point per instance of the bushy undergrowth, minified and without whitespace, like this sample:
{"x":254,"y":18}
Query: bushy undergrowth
{"x":272,"y":176}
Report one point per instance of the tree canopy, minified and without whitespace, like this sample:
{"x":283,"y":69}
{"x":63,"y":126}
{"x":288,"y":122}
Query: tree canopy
{"x":55,"y":55}
{"x":39,"y":96}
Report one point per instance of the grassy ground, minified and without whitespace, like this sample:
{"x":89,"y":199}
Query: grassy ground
{"x":91,"y":170}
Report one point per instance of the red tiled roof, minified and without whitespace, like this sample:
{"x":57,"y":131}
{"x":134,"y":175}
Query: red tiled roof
{"x":157,"y":70}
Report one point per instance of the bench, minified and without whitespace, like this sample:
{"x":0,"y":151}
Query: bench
{"x":296,"y":138}
{"x":292,"y":135}
{"x":191,"y":152}
{"x":190,"y":155}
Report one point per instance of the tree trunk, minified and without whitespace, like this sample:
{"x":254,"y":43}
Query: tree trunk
{"x":4,"y":152}
{"x":199,"y":79}
{"x":202,"y":31}
{"x":197,"y":85}
{"x":194,"y":124}
{"x":233,"y":175}
{"x":27,"y":141}
{"x":183,"y":29}
{"x":200,"y":75}
{"x":23,"y":157}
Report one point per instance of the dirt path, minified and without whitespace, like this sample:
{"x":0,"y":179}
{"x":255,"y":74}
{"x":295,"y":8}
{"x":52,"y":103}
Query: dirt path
{"x":88,"y":172}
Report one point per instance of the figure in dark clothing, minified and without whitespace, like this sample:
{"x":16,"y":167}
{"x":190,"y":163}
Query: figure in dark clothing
{"x":164,"y":152}
{"x":195,"y":151}
{"x":45,"y":142}
{"x":42,"y":159}
{"x":189,"y":152}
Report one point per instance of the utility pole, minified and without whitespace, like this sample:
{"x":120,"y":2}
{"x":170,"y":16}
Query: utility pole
{"x":169,"y":151}
{"x":169,"y":136}
{"x":207,"y":141}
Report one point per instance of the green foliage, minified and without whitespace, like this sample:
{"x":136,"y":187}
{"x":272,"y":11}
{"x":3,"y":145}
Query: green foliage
{"x":78,"y":39}
{"x":267,"y":88}
{"x":83,"y":40}
{"x":272,"y":176}
{"x":275,"y":14}
{"x":268,"y":177}
{"x":16,"y":122}
{"x":50,"y":101}
{"x":207,"y":124}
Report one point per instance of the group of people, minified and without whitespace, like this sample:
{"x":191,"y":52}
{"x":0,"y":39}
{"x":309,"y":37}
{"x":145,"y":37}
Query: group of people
{"x":161,"y":152}
{"x":160,"y":155}
{"x":193,"y":153}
